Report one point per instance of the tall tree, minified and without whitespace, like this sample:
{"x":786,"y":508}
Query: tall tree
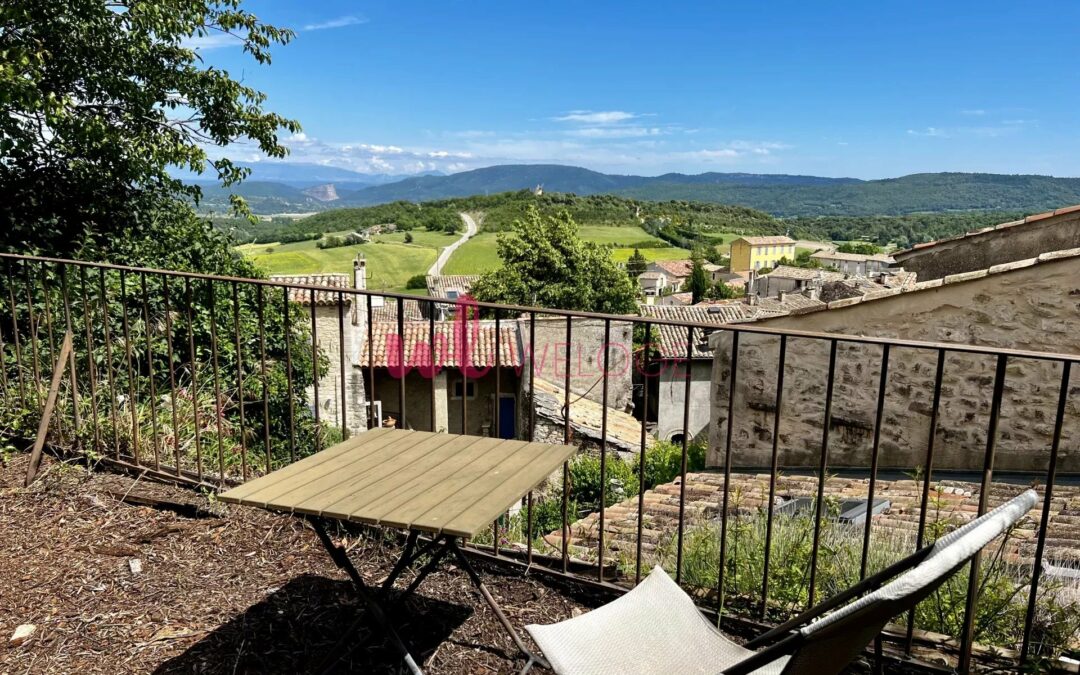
{"x":98,"y":99}
{"x":698,"y":284}
{"x":546,"y":263}
{"x":636,"y":265}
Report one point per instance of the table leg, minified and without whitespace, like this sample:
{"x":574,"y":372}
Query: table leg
{"x":341,"y":559}
{"x":464,"y":563}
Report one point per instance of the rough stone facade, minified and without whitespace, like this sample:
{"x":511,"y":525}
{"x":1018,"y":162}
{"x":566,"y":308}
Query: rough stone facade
{"x":1033,"y":305}
{"x":586,"y":356}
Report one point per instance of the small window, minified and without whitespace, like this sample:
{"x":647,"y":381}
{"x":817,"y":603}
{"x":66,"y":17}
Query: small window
{"x":470,"y":388}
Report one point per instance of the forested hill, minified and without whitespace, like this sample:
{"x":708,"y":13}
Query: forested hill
{"x":778,"y":194}
{"x":917,"y":193}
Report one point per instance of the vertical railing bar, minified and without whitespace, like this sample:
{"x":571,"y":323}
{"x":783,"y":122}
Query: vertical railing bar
{"x":260,"y":301}
{"x":819,"y":506}
{"x":315,"y":369}
{"x":566,"y":465}
{"x":401,"y":361}
{"x":73,"y":379}
{"x":603,"y":446}
{"x":172,"y":369}
{"x":967,"y":635}
{"x":647,"y":346}
{"x":219,"y":409}
{"x":106,"y":320}
{"x":1044,"y":521}
{"x":48,"y":309}
{"x":341,"y":365}
{"x":462,"y":360}
{"x":34,"y":340}
{"x":15,"y":337}
{"x":91,"y":368}
{"x":132,"y":383}
{"x":371,"y":367}
{"x":726,"y":498}
{"x":3,"y":369}
{"x":532,"y":430}
{"x":240,"y":394}
{"x":774,"y":469}
{"x":194,"y":377}
{"x":684,"y":461}
{"x":433,"y":419}
{"x":286,"y":307}
{"x":150,"y":371}
{"x":924,"y":500}
{"x":874,"y":451}
{"x":497,"y":410}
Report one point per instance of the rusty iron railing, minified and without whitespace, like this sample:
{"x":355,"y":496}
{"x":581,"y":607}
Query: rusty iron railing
{"x":229,"y":351}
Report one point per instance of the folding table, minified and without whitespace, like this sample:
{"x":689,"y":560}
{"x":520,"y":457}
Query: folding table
{"x":446,"y":486}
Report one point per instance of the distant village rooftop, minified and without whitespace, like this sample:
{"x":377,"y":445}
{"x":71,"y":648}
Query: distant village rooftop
{"x":326,"y":298}
{"x":767,"y":240}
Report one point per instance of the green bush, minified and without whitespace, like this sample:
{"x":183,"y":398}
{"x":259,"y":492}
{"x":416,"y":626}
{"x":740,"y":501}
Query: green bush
{"x":416,"y":281}
{"x":663,"y":462}
{"x":622,"y":480}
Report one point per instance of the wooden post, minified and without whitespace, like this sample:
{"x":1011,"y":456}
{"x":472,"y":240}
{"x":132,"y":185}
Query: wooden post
{"x":50,"y":404}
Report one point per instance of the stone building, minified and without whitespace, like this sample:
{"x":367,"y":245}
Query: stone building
{"x":340,"y":320}
{"x":855,"y":264}
{"x":1025,"y":304}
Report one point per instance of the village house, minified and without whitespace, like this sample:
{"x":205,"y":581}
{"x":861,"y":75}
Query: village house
{"x":339,"y":323}
{"x":652,"y":285}
{"x":755,"y":253}
{"x":464,"y":379}
{"x":451,"y":287}
{"x":854,"y":264}
{"x":676,"y":272}
{"x":785,"y":278}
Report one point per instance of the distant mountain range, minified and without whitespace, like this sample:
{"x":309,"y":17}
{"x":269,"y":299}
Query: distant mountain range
{"x":282,"y":187}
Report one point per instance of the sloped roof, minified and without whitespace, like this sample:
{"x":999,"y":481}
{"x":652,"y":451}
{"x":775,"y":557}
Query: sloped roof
{"x":450,"y":346}
{"x":322,"y":298}
{"x":413,"y":310}
{"x":675,"y":268}
{"x":673,"y":338}
{"x":440,"y":285}
{"x":586,"y":417}
{"x":852,"y":257}
{"x":765,"y":241}
{"x":804,"y":273}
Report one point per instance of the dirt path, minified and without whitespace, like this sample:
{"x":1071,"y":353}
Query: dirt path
{"x":470,"y":230}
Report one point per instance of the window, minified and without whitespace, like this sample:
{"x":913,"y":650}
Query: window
{"x":470,"y":389}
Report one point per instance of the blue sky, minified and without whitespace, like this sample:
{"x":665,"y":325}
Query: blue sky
{"x":865,"y":89}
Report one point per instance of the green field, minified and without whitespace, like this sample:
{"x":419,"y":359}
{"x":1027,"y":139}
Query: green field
{"x":390,"y":261}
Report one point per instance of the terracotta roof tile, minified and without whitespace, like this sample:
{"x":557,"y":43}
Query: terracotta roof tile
{"x":441,"y":285}
{"x":388,"y":310}
{"x":675,"y":268}
{"x":322,"y":298}
{"x":764,"y":241}
{"x":450,"y":346}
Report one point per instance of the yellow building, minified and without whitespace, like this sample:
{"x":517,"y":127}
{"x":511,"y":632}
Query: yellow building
{"x":754,"y":253}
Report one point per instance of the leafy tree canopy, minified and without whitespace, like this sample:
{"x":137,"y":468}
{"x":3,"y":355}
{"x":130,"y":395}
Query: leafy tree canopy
{"x":859,"y":247}
{"x":546,"y":264}
{"x":698,"y":284}
{"x":97,"y":100}
{"x":636,"y":265}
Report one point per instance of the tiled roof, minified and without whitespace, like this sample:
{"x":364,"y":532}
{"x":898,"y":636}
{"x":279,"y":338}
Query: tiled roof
{"x":675,"y":268}
{"x":1002,"y":226}
{"x":322,"y":298}
{"x":440,"y":286}
{"x":388,"y":311}
{"x":678,"y":299}
{"x":673,"y":338}
{"x":586,"y":415}
{"x":650,"y":275}
{"x":450,"y":347}
{"x":853,"y":257}
{"x":764,"y":241}
{"x":804,"y":273}
{"x":793,"y":303}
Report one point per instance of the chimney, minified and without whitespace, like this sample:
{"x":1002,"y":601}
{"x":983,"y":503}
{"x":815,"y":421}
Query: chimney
{"x":360,"y":273}
{"x":752,"y":300}
{"x":782,"y":295}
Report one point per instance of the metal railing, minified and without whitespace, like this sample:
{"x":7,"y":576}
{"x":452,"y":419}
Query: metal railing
{"x":196,"y":378}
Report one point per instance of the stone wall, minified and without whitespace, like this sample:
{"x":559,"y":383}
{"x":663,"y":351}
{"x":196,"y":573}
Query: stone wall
{"x":1031,"y":306}
{"x":328,"y":338}
{"x":671,"y":397}
{"x":586,"y":356}
{"x":1055,"y":231}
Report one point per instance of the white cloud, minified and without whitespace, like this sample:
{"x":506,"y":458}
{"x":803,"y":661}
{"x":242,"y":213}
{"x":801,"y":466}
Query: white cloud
{"x":929,"y":132}
{"x":596,"y":117}
{"x":212,"y":41}
{"x":615,"y":132}
{"x":976,"y":112}
{"x":339,"y":22}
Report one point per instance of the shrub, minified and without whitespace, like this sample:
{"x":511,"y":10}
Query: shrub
{"x":408,"y":238}
{"x":622,"y":480}
{"x":663,"y":462}
{"x":416,"y":281}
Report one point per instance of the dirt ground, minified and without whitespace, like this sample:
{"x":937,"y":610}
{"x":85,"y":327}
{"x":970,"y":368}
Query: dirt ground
{"x":223,"y":589}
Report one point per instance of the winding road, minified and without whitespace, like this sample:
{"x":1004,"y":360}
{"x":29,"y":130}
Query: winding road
{"x":470,"y":230}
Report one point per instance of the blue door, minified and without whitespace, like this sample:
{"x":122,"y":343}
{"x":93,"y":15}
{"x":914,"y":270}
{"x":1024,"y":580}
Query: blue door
{"x":507,"y":417}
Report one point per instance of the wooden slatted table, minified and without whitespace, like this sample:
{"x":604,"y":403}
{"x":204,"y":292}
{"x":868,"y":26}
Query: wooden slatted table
{"x":443,"y":485}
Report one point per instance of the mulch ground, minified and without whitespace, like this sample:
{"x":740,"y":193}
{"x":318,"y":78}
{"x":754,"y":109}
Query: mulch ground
{"x":223,"y":589}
